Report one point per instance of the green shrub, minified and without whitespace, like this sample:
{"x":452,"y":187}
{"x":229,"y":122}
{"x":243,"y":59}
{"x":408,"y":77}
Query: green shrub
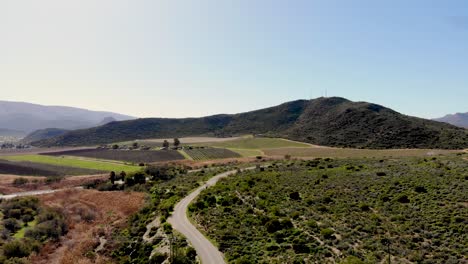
{"x":327,"y":233}
{"x":16,"y":249}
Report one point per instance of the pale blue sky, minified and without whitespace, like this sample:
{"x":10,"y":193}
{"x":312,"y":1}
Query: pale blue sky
{"x":177,"y":58}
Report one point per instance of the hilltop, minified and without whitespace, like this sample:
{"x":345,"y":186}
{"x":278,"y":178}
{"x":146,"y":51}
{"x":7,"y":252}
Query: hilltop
{"x":331,"y":121}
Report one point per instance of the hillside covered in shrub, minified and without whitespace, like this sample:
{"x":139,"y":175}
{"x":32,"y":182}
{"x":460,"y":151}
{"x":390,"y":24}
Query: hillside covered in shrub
{"x":324,"y":121}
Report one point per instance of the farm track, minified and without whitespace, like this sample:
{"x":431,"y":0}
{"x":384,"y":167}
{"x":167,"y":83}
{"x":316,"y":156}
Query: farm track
{"x":206,"y":251}
{"x":33,"y":193}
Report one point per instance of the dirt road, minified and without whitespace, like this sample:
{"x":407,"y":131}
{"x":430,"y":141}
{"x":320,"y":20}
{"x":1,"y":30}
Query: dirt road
{"x":32,"y":193}
{"x":206,"y":251}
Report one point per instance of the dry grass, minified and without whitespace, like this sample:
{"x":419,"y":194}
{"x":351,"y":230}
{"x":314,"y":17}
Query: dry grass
{"x":353,"y":153}
{"x":90,"y":215}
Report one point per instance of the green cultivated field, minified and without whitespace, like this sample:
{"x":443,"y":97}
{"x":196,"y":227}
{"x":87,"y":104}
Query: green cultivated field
{"x":74,"y":162}
{"x":341,"y":211}
{"x":248,"y":152}
{"x":210,"y":153}
{"x":353,"y":153}
{"x":256,"y":143}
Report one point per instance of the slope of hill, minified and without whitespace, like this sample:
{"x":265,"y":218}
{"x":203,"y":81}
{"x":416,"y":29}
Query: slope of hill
{"x":42,"y":134}
{"x":30,"y":117}
{"x":326,"y":121}
{"x":458,"y":119}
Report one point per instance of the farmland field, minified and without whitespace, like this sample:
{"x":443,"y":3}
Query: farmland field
{"x":343,"y":211}
{"x":211,"y":153}
{"x":250,"y":142}
{"x":73,"y":162}
{"x":248,"y":152}
{"x":136,"y":156}
{"x":40,"y":169}
{"x":157,"y":142}
{"x":349,"y":153}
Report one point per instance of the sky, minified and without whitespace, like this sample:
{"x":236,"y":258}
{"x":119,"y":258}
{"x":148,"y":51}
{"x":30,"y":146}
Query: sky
{"x":181,"y":58}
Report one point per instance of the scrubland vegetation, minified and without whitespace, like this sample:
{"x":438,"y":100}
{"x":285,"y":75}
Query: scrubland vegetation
{"x":148,"y":236}
{"x":25,"y":226}
{"x":341,"y":210}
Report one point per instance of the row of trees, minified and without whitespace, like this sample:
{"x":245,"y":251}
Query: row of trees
{"x":176,"y":143}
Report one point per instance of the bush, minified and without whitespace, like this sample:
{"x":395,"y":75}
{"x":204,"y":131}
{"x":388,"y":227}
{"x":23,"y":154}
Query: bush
{"x":295,"y":196}
{"x":420,"y":189}
{"x":16,"y":249}
{"x":403,"y":199}
{"x":11,"y":224}
{"x":53,"y":179}
{"x":20,"y":181}
{"x":327,"y":233}
{"x":167,"y":228}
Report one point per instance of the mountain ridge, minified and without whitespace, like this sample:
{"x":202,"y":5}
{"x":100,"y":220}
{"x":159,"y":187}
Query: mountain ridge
{"x":457,"y":119}
{"x":28,"y":117}
{"x":330,"y":121}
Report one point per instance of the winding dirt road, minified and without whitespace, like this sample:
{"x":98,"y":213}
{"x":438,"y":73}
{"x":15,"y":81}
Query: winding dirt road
{"x":33,"y":193}
{"x":206,"y":251}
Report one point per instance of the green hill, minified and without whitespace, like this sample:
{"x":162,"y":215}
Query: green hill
{"x":325,"y":121}
{"x":42,"y":134}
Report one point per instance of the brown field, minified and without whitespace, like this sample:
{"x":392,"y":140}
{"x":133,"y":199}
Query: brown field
{"x":33,"y":151}
{"x":91,"y":215}
{"x":37,"y":183}
{"x":353,"y":153}
{"x":27,"y":168}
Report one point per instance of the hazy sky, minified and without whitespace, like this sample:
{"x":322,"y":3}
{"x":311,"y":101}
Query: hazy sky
{"x":178,"y":58}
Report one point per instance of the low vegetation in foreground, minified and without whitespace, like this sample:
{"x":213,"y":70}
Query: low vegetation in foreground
{"x":25,"y":226}
{"x":413,"y":210}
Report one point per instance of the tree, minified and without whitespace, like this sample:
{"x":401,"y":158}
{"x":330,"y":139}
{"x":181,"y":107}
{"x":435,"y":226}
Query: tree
{"x":139,"y":178}
{"x":166,"y":144}
{"x":135,"y":145}
{"x":112,"y":177}
{"x":176,"y":142}
{"x":115,"y":146}
{"x":122,"y":175}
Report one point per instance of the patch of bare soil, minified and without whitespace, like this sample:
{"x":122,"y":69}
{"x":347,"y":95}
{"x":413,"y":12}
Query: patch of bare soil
{"x":92,"y":217}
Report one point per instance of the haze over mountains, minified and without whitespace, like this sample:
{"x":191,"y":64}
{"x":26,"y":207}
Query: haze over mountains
{"x":458,"y":119}
{"x":324,"y":121}
{"x":24,"y":118}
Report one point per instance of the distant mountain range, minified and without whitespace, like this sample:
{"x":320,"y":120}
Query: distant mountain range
{"x":324,"y":121}
{"x":458,"y":119}
{"x":11,"y":133}
{"x":25,"y":117}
